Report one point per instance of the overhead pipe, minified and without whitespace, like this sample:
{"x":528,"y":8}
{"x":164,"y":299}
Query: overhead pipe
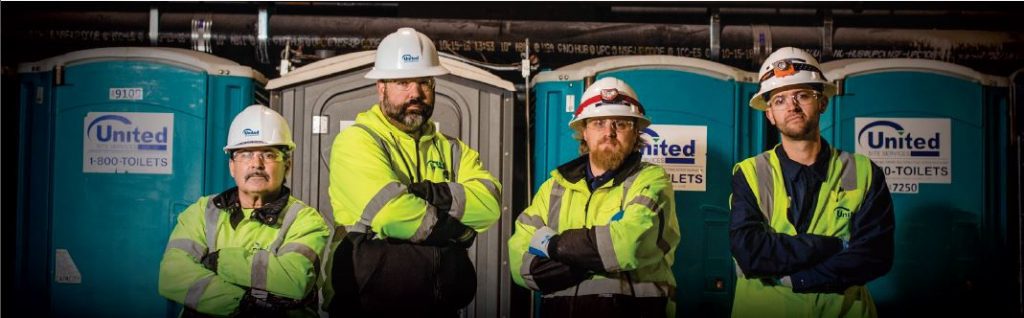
{"x":739,"y":45}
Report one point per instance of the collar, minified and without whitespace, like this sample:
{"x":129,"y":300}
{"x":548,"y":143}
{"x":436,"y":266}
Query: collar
{"x":266,"y":214}
{"x":819,"y":169}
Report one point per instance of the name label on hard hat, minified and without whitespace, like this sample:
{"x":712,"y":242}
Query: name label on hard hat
{"x":409,"y":58}
{"x":682,"y":151}
{"x":909,"y":150}
{"x":124,"y":142}
{"x":126,"y":93}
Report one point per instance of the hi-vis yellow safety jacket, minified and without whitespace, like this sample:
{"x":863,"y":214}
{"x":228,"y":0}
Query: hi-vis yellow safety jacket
{"x":844,"y":189}
{"x":282,"y":259}
{"x":619,"y":239}
{"x":370,"y":173}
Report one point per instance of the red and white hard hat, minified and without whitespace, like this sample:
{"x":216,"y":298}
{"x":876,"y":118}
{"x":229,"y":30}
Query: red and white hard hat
{"x":789,"y":66}
{"x":608,"y":97}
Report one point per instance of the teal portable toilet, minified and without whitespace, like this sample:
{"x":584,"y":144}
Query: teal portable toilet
{"x":939,"y":132}
{"x":695,"y":104}
{"x":115,"y":142}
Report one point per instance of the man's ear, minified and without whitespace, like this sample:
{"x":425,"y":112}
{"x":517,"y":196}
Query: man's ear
{"x":380,"y":91}
{"x":824,"y":105}
{"x":771,"y":116}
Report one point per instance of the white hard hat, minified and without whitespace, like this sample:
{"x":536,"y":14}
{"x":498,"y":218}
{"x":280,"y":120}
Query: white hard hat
{"x":258,"y":126}
{"x":789,"y":66}
{"x":606,"y":97}
{"x":406,"y":54}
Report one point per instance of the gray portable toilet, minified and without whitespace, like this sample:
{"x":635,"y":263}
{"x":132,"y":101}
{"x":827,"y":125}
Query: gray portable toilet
{"x":321,"y":99}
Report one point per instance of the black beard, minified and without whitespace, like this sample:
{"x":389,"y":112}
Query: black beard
{"x":405,"y":120}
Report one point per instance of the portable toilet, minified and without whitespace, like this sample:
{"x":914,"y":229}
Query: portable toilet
{"x":114,"y":144}
{"x":323,"y":98}
{"x":939,"y":133}
{"x":697,"y":105}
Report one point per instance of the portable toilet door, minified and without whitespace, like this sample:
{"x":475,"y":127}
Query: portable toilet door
{"x":696,"y":106}
{"x":323,"y":98}
{"x":939,"y":133}
{"x":116,"y":142}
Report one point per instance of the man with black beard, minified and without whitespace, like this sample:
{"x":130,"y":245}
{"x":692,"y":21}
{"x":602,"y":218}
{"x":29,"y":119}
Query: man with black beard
{"x":599,"y":238}
{"x":410,"y":198}
{"x":811,"y":225}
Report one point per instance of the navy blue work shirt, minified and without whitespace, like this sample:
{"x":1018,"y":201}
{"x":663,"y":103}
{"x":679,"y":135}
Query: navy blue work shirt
{"x":815,"y":264}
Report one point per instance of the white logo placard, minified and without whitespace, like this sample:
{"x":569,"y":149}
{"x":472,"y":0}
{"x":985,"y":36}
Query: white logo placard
{"x":123,"y":142}
{"x":682,"y":150}
{"x":909,"y":150}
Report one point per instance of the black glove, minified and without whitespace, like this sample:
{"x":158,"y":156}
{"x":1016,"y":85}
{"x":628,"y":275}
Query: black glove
{"x":210,"y":261}
{"x":438,"y":194}
{"x":260,"y":303}
{"x":449,"y":231}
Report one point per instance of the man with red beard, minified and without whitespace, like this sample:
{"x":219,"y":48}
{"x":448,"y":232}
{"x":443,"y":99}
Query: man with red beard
{"x":811,"y":225}
{"x":411,"y":199}
{"x":600,"y":236}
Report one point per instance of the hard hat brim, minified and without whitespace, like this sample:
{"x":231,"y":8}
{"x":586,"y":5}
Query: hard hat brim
{"x":378,"y":74}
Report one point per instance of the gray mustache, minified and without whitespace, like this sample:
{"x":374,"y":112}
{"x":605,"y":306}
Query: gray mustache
{"x":262,"y":174}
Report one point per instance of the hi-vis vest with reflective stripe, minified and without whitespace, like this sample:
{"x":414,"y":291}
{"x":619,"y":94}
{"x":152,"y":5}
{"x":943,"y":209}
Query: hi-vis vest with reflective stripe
{"x":643,"y":242}
{"x":282,"y":259}
{"x":840,"y":196}
{"x":373,"y":162}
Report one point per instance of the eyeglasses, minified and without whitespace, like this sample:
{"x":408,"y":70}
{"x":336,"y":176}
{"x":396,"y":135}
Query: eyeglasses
{"x":406,"y":85}
{"x":244,"y":156}
{"x":620,"y":125}
{"x":802,"y":98}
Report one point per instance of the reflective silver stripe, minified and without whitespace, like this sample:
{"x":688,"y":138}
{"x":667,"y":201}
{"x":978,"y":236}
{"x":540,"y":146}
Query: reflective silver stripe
{"x":300,"y":248}
{"x":195,"y":292}
{"x":531,"y":220}
{"x":458,"y":207}
{"x":491,"y":188}
{"x":646,"y":202}
{"x":289,"y":218}
{"x":379,"y":200}
{"x":765,"y":187}
{"x":617,"y":286}
{"x":456,"y":157}
{"x":662,"y":243}
{"x":848,"y":180}
{"x":555,"y":205}
{"x":332,"y":230}
{"x":357,"y":228}
{"x":212,"y":220}
{"x":625,"y":187}
{"x":524,"y":271}
{"x":605,"y":248}
{"x":258,"y":277}
{"x":189,"y":246}
{"x":426,"y":225}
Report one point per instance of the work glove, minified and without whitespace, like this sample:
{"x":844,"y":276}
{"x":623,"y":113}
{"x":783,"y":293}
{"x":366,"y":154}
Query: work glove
{"x":210,"y":261}
{"x":540,"y":241}
{"x":260,"y":303}
{"x":778,"y":281}
{"x":449,"y":231}
{"x":437,"y":194}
